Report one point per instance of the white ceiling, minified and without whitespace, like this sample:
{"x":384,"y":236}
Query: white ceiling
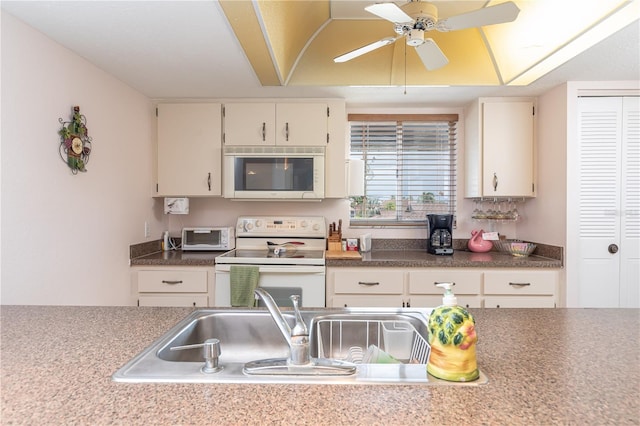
{"x":187,"y":50}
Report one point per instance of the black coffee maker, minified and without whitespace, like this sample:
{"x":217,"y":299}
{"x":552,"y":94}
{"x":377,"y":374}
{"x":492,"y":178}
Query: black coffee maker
{"x":439,"y":233}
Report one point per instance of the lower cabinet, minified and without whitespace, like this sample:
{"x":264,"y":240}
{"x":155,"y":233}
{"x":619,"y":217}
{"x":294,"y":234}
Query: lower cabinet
{"x":520,"y":289}
{"x":174,"y":286}
{"x":365,"y":287}
{"x":423,"y":292}
{"x":415,"y":287}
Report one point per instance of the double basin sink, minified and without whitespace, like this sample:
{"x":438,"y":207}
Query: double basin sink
{"x":249,"y":338}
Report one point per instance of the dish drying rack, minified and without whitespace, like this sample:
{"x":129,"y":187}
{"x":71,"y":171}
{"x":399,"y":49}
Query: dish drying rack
{"x":366,"y":332}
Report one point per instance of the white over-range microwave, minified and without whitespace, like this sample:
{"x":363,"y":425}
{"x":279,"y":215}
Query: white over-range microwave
{"x":273,"y":172}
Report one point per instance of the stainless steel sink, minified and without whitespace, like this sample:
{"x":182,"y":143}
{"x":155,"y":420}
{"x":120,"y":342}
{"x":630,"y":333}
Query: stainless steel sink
{"x":248,"y":336}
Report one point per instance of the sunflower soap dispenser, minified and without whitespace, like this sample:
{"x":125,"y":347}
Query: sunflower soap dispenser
{"x":452,"y":336}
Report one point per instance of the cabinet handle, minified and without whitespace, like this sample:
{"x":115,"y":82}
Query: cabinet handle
{"x":368,"y":283}
{"x":495,"y":182}
{"x":209,"y":181}
{"x":172,"y":282}
{"x":264,"y":132}
{"x":519,"y":284}
{"x":286,"y":131}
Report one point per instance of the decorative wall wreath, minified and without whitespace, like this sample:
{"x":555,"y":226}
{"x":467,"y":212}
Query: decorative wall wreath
{"x":75,"y":143}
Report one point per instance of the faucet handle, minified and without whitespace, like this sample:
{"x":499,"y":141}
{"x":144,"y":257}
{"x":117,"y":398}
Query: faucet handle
{"x":300,"y":328}
{"x":210,"y":351}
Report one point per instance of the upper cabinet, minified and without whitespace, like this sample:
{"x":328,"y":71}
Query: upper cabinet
{"x":284,"y":124}
{"x":189,"y":149}
{"x":500,"y":148}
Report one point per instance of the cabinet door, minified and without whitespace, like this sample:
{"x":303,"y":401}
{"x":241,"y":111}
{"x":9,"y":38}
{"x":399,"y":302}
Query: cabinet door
{"x":432,"y":301}
{"x":249,"y":124}
{"x":368,"y":281}
{"x":521,"y":282}
{"x":178,"y":300}
{"x":519,"y":302}
{"x":301,"y":124}
{"x":189,"y":150}
{"x":366,"y":301}
{"x":507,"y":149}
{"x":423,"y":281}
{"x":172,"y":281}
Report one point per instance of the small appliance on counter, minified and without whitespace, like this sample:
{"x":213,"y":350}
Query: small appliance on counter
{"x":211,"y":238}
{"x":440,"y":234}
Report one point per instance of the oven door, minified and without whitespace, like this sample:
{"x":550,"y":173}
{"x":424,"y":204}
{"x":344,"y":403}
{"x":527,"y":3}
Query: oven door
{"x":308,"y":281}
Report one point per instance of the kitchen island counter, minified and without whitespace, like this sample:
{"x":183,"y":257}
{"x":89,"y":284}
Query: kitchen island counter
{"x":545,"y":366}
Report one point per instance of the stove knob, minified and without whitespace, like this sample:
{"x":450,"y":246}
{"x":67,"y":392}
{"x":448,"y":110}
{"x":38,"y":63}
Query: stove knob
{"x":316,"y":227}
{"x":304,"y":224}
{"x":258,"y":223}
{"x":249,"y":226}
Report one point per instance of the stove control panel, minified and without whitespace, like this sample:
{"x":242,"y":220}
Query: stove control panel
{"x":285,"y":226}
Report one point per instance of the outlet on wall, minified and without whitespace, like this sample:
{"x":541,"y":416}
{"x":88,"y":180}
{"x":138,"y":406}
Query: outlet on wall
{"x":147,"y":230}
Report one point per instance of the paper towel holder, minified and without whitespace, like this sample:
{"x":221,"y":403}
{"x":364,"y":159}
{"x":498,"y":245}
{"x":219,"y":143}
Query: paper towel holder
{"x":176,"y":206}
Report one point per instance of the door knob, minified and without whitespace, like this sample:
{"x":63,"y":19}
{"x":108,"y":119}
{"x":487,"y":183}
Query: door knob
{"x":613,"y":248}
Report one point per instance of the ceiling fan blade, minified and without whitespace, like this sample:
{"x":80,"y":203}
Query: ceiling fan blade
{"x":365,"y":49}
{"x":390,"y":12}
{"x":498,"y":14}
{"x":431,"y":55}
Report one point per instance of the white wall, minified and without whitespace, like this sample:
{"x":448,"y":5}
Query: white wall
{"x":546,"y":214}
{"x":65,"y":238}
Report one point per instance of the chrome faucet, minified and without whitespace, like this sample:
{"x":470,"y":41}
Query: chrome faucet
{"x":298,"y":336}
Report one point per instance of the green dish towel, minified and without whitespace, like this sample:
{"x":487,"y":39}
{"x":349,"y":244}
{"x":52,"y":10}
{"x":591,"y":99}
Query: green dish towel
{"x":244,"y":280}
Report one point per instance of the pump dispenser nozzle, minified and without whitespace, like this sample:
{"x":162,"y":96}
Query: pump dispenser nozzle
{"x":449,"y":298}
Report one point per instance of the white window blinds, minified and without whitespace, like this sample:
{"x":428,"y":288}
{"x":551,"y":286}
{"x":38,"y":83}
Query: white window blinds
{"x":410,"y":167}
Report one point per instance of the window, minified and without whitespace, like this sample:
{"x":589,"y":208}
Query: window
{"x":410,"y":167}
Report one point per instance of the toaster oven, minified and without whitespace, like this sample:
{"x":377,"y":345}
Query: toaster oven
{"x":211,"y":238}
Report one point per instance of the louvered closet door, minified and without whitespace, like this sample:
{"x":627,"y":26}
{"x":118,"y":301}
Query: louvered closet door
{"x":630,"y":205}
{"x":608,"y":222}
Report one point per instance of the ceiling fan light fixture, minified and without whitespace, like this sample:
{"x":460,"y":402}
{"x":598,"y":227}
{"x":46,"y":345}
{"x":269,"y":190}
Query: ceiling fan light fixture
{"x":415,"y":37}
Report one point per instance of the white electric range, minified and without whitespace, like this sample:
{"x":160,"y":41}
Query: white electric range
{"x":289,"y":252}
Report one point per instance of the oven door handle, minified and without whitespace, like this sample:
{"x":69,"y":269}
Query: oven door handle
{"x":279,"y":269}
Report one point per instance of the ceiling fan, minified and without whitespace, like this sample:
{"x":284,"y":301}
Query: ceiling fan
{"x":416,"y":17}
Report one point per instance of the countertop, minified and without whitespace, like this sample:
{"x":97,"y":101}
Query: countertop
{"x":459,"y":259}
{"x":545,"y":366}
{"x":392,"y":258}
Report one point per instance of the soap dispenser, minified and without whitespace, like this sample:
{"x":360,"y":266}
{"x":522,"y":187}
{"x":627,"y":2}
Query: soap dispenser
{"x":452,"y":336}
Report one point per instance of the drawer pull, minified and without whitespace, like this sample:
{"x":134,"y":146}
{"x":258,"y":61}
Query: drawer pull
{"x":368,"y":283}
{"x":172,"y":282}
{"x":519,"y":284}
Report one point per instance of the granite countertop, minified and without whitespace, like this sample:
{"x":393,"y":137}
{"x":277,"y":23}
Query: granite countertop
{"x":177,"y":258}
{"x":545,"y":366}
{"x":389,"y":253}
{"x":459,"y":259}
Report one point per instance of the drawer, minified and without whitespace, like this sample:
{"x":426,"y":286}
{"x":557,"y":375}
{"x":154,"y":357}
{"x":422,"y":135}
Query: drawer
{"x":172,"y":281}
{"x":467,"y":281}
{"x":369,"y":282}
{"x":520,"y":282}
{"x":180,"y":300}
{"x":519,"y":302}
{"x":432,"y":301}
{"x":364,"y":301}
